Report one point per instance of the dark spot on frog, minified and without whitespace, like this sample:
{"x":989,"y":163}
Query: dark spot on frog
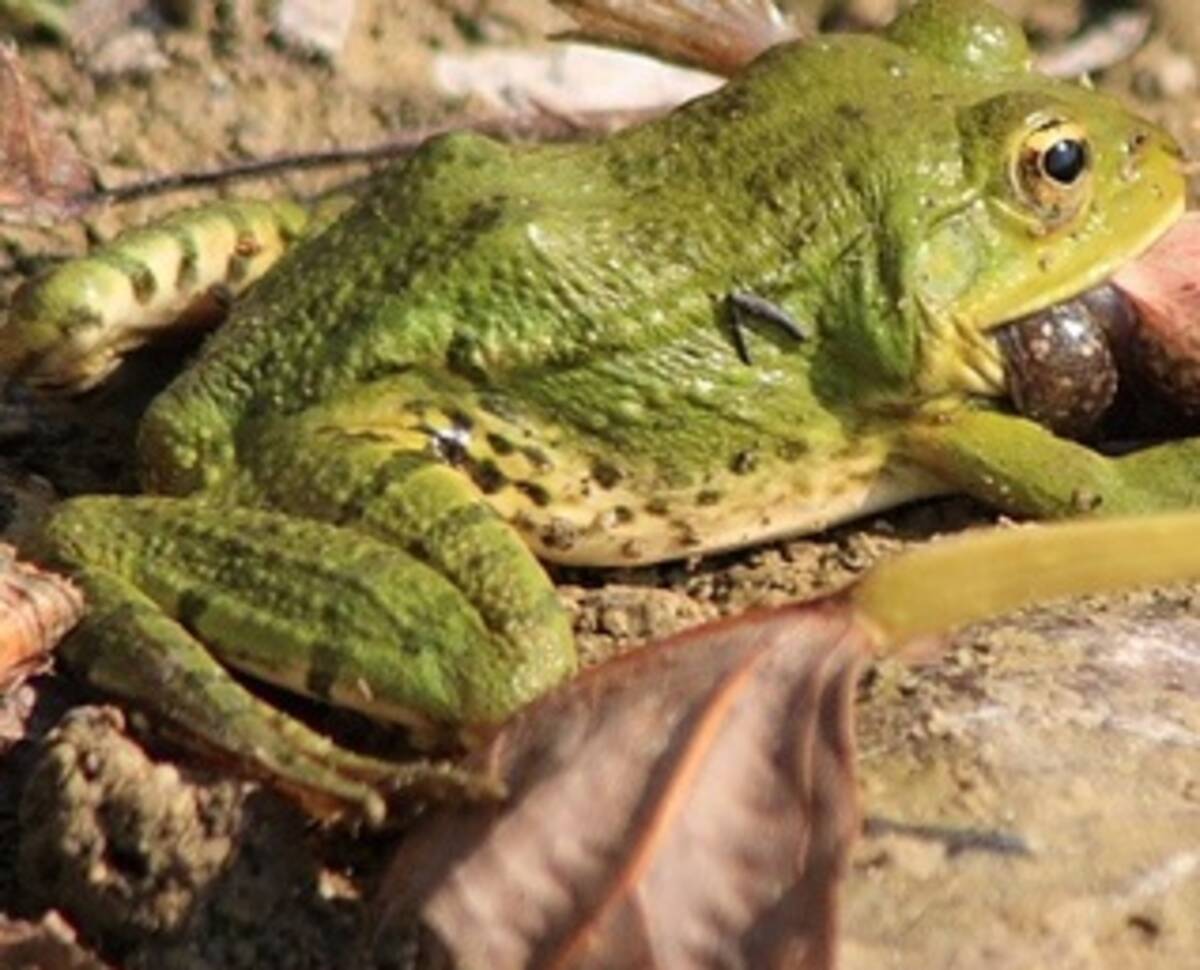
{"x":367,"y":437}
{"x":143,"y":283}
{"x":658,"y":506}
{"x":237,"y":268}
{"x":487,"y":476}
{"x":792,"y":450}
{"x":189,"y":258}
{"x":560,"y":534}
{"x":685,"y":533}
{"x":606,"y":474}
{"x":499,"y":444}
{"x":708,"y":496}
{"x":192,"y":604}
{"x":536,"y":493}
{"x":850,"y":112}
{"x":536,"y":457}
{"x":497,"y":405}
{"x":379,"y":370}
{"x":417,"y":406}
{"x":623,"y":514}
{"x":732,"y":104}
{"x":465,"y":357}
{"x":323,"y":671}
{"x":744,"y":462}
{"x":483,"y":215}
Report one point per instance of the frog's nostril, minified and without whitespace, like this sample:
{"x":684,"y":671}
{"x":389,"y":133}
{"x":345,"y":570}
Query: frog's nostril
{"x":1137,"y":141}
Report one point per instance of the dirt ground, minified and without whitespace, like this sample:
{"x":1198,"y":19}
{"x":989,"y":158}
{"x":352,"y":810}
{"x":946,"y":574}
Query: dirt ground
{"x":1034,"y":799}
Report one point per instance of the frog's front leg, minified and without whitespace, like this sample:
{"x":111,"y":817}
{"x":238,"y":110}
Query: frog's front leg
{"x":1019,"y":466}
{"x":312,"y":606}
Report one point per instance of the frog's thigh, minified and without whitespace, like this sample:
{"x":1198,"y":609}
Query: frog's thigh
{"x":307,"y":605}
{"x":1017,"y":465}
{"x":387,"y":485}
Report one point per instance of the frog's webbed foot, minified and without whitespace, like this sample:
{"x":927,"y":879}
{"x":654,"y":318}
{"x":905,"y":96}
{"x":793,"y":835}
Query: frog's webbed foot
{"x":743,"y":307}
{"x":1019,"y":466}
{"x":309,"y":606}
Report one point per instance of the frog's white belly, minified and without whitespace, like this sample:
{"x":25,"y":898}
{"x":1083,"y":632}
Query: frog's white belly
{"x":574,"y":507}
{"x":620,"y":528}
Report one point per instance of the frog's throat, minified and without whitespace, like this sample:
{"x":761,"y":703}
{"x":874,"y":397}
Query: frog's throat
{"x":1091,"y":274}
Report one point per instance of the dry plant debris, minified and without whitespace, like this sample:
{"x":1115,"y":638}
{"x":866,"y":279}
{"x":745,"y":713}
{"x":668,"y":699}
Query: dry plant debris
{"x":690,"y":804}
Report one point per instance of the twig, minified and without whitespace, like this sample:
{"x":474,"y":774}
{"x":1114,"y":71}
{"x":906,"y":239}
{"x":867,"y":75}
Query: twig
{"x":541,"y":126}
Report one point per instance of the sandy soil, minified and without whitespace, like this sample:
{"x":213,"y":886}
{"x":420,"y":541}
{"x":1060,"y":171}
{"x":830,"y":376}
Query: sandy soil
{"x":1035,"y":797}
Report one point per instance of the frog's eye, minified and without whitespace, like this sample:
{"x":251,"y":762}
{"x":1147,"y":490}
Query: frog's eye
{"x":1065,"y":160}
{"x":1051,"y":169}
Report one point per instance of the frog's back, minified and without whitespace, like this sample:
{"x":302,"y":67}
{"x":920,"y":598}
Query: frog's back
{"x":488,"y":260}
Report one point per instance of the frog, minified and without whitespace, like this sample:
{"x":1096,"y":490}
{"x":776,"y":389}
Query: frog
{"x":768,"y":312}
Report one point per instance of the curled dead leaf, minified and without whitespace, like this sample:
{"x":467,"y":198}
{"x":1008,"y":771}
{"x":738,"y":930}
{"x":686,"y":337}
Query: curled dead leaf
{"x":721,"y":36}
{"x":37,"y":609}
{"x":690,"y":804}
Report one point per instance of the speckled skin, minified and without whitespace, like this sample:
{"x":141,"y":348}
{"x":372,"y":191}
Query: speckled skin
{"x":511,"y":352}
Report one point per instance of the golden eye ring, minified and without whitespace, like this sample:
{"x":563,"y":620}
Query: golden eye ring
{"x":1052,"y":170}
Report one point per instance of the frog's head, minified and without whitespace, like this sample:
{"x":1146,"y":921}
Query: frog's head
{"x":1058,"y":187}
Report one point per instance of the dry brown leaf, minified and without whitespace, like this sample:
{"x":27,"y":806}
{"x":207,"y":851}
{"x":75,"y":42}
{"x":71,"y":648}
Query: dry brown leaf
{"x":47,"y":945}
{"x":689,"y":805}
{"x":1164,"y":286}
{"x":721,"y":36}
{"x":40,"y":172}
{"x":37,"y":609}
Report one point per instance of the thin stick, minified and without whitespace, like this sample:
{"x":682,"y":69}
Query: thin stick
{"x":545,"y":125}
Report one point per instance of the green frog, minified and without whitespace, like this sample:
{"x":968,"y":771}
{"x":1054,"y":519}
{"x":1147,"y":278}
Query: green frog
{"x":763,"y":314}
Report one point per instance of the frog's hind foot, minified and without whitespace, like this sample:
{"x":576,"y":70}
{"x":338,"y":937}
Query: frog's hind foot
{"x":172,"y":585}
{"x":134,"y":649}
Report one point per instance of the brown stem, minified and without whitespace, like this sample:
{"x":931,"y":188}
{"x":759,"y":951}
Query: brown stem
{"x":541,"y":126}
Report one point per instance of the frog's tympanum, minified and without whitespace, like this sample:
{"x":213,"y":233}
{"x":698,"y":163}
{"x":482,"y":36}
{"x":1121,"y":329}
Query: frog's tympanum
{"x":773,"y":310}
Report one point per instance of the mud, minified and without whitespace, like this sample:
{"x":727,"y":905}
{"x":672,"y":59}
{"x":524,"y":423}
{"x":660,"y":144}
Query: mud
{"x":1034,"y":796}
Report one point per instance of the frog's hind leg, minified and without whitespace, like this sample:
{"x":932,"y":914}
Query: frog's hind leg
{"x":70,"y":327}
{"x":391,"y":476}
{"x":306,"y":605}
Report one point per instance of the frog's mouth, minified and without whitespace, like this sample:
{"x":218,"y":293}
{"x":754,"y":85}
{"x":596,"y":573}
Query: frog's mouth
{"x":1066,"y":364}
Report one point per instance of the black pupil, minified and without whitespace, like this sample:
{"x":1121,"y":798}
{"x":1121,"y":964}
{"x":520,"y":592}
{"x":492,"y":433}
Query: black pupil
{"x":1065,"y":160}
